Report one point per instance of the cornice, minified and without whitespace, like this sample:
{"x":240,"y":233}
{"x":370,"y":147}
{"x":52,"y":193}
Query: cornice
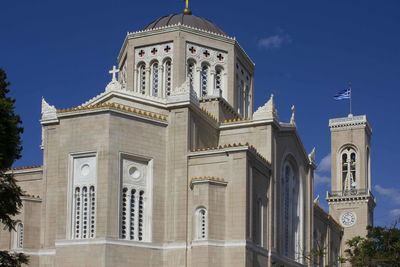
{"x":351,"y":122}
{"x":207,"y":179}
{"x":172,"y":28}
{"x":160,"y":118}
{"x":230,"y":148}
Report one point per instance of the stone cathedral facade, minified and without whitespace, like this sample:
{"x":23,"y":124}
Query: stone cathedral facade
{"x":170,"y":166}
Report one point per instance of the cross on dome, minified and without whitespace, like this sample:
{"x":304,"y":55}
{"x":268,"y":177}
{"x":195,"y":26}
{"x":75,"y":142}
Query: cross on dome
{"x":113,"y":72}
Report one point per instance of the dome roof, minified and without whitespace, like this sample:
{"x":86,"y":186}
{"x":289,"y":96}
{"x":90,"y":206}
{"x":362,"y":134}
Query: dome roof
{"x":185,"y":19}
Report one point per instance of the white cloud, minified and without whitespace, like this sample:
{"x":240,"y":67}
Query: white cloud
{"x":322,"y":173}
{"x":395,"y":212}
{"x":391,"y":193}
{"x":321,"y":179}
{"x":325,"y":164}
{"x":274,"y":41}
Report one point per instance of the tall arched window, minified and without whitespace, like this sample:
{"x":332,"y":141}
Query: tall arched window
{"x":218,"y":78}
{"x":204,"y":80}
{"x":239,"y":92}
{"x":246,"y":102}
{"x":190,"y":72}
{"x":349,"y":161}
{"x":142,"y":78}
{"x":155,"y":81}
{"x":20,"y":235}
{"x":292,"y":217}
{"x":167,"y":77}
{"x":259,"y":223}
{"x":201,"y":224}
{"x":368,"y":170}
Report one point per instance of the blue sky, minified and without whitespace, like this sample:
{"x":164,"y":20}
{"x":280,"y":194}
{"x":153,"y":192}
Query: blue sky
{"x":305,"y":52}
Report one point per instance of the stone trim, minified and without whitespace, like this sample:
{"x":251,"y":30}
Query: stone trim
{"x":36,"y":252}
{"x":179,"y":25}
{"x":162,"y":246}
{"x":205,"y":111}
{"x":22,"y":168}
{"x":31,"y":198}
{"x":207,"y":179}
{"x":349,"y":123}
{"x":231,"y":147}
{"x":116,"y":107}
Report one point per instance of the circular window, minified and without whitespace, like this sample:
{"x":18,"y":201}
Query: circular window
{"x":85,"y":169}
{"x":134,"y":172}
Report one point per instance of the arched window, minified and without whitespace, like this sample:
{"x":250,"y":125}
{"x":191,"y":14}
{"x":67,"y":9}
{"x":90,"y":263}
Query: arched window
{"x":368,"y":170}
{"x":204,"y":80}
{"x":259,"y":223}
{"x":246,"y":102}
{"x":167,"y":77}
{"x":218,"y":78}
{"x":349,"y":176}
{"x":239,"y":92}
{"x":190,"y":72}
{"x":155,"y":79}
{"x":85,"y":212}
{"x":92,"y":200}
{"x":77,"y":212}
{"x":292,"y":224}
{"x":20,"y":236}
{"x":201,"y":226}
{"x":142,"y":78}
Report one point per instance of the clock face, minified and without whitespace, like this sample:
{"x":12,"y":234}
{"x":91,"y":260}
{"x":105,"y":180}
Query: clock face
{"x":348,"y":219}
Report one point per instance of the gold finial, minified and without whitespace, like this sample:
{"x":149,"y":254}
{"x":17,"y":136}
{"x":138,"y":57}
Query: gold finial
{"x":187,"y":11}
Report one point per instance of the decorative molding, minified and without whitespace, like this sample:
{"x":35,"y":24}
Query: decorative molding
{"x":158,"y":52}
{"x":209,"y":55}
{"x":114,"y":106}
{"x":349,"y":122}
{"x":160,"y":246}
{"x":293,"y":117}
{"x":234,"y":145}
{"x":267,"y":112}
{"x":179,"y":26}
{"x":207,"y":179}
{"x":183,"y":93}
{"x":49,"y":113}
{"x":311,"y":156}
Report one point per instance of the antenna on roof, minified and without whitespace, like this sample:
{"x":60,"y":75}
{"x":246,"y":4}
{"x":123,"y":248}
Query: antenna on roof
{"x":187,"y":11}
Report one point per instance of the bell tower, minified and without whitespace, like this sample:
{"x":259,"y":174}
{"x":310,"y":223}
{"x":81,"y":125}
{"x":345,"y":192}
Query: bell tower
{"x":351,"y":202}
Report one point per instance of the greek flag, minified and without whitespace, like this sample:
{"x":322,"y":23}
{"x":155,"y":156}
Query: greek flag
{"x":345,"y":94}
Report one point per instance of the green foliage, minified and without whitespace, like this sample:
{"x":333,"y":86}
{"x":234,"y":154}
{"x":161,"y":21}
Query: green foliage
{"x":12,"y":259}
{"x":10,"y":200}
{"x":10,"y":127}
{"x":10,"y":150}
{"x":381,"y":247}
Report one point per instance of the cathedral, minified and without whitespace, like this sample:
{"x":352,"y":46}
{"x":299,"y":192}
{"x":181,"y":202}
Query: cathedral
{"x":172,"y":166}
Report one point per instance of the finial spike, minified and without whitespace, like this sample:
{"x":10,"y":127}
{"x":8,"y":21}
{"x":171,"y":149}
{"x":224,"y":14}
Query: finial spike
{"x":187,"y":11}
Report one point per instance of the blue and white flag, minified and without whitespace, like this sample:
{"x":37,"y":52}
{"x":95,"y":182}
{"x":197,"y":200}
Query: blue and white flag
{"x":345,"y":94}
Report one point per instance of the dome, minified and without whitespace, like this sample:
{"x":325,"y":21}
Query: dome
{"x":185,"y":19}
